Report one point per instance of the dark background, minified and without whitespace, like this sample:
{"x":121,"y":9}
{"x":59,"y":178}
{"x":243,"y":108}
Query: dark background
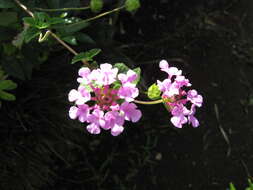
{"x":210,"y":40}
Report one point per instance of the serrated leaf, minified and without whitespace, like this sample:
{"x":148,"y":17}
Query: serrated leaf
{"x":7,"y":85}
{"x":154,"y":92}
{"x":7,"y":96}
{"x":138,"y":72}
{"x":96,"y":5}
{"x":86,"y":56}
{"x":132,"y":5}
{"x":70,"y":39}
{"x":121,"y":67}
{"x":31,"y":33}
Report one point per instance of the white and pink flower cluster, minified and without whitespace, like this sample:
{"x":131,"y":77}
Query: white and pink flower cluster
{"x":177,"y":99}
{"x":104,"y":99}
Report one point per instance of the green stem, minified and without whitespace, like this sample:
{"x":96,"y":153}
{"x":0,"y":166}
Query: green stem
{"x":43,"y":38}
{"x":149,"y":102}
{"x":63,"y":9}
{"x":100,"y":15}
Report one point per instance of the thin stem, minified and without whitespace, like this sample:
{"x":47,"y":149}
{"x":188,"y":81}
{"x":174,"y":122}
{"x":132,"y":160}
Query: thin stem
{"x":63,"y":43}
{"x":149,"y":102}
{"x":24,"y":8}
{"x":43,"y":38}
{"x":67,"y":46}
{"x":100,"y":15}
{"x":63,"y":9}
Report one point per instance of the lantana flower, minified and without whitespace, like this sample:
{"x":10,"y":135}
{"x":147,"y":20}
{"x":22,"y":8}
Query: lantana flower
{"x":104,"y":99}
{"x":180,"y":102}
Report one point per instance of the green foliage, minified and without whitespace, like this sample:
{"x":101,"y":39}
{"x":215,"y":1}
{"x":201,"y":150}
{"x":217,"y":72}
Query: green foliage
{"x":6,"y":85}
{"x":231,"y":186}
{"x":132,"y":5}
{"x":72,"y":25}
{"x":42,"y":20}
{"x":96,"y":5}
{"x":250,"y":187}
{"x":70,"y":39}
{"x":138,"y":72}
{"x":154,"y":92}
{"x":121,"y":67}
{"x":86,"y":56}
{"x":31,"y":33}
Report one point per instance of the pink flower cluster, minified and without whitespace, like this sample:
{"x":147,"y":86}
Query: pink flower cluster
{"x":177,"y":99}
{"x":103,"y":99}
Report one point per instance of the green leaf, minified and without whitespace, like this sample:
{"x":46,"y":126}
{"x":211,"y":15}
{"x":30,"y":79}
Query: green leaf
{"x":231,"y":186}
{"x":7,"y":85}
{"x":70,"y":39}
{"x":132,"y":5}
{"x":31,"y":33}
{"x":30,"y":21}
{"x":96,"y":5}
{"x":72,"y":28}
{"x":250,"y":184}
{"x":154,"y":92}
{"x":138,"y":72}
{"x":42,"y":20}
{"x":8,"y":18}
{"x":84,"y":38}
{"x":121,"y":67}
{"x":5,"y":4}
{"x":7,"y":96}
{"x":86,"y":56}
{"x":56,"y":20}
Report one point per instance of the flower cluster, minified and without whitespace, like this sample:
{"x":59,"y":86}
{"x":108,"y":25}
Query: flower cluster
{"x":104,"y":99}
{"x":176,"y":98}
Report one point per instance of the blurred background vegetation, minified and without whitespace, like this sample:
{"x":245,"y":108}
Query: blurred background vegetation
{"x":210,"y":40}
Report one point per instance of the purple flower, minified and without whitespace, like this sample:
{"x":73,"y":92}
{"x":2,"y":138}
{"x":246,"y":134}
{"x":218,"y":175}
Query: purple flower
{"x":81,"y":112}
{"x":129,"y":77}
{"x":79,"y":97}
{"x":113,"y":118}
{"x":128,"y":91}
{"x":191,"y":118}
{"x":169,"y":89}
{"x":179,"y":111}
{"x":107,"y":103}
{"x":195,"y":98}
{"x":93,"y":128}
{"x":172,"y":71}
{"x":116,"y":130}
{"x":130,"y":111}
{"x":106,"y":75}
{"x":96,"y":120}
{"x":84,"y":72}
{"x":114,"y":121}
{"x":176,"y":97}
